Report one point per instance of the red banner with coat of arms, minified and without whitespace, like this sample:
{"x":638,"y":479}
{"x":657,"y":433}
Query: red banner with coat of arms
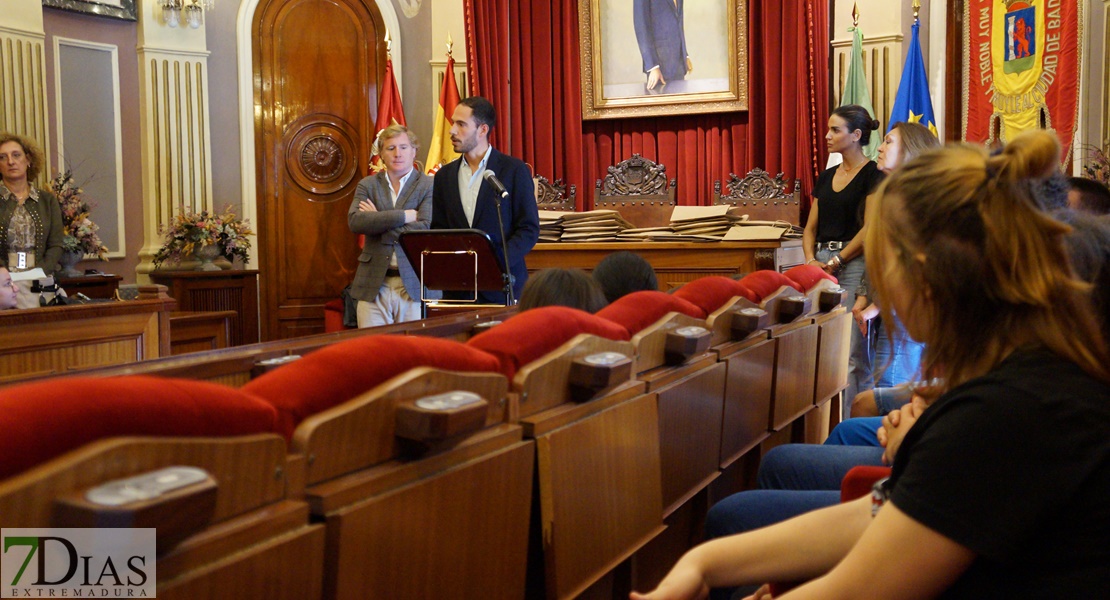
{"x":1022,"y":64}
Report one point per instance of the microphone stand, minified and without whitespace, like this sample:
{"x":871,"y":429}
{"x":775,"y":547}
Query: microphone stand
{"x":507,"y":275}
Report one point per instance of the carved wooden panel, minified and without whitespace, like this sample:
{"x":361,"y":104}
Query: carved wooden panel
{"x":317,"y":67}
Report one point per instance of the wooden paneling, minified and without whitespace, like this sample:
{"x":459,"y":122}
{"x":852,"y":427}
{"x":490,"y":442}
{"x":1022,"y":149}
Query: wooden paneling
{"x":317,"y":64}
{"x":675,"y":263}
{"x":834,"y":335}
{"x":233,"y":290}
{"x":462,"y":533}
{"x":599,"y":493}
{"x":56,"y":340}
{"x":747,"y":402}
{"x":199,"y":331}
{"x":288,"y":567}
{"x":690,"y":412}
{"x":795,"y":369}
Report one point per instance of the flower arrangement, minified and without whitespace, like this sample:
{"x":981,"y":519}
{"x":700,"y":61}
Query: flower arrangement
{"x":79,"y":231}
{"x":1097,"y":165}
{"x":191,"y":231}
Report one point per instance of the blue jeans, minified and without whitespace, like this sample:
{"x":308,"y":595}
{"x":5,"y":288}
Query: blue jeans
{"x":859,"y":359}
{"x":812,"y":466}
{"x":858,"y":431}
{"x":896,"y":357}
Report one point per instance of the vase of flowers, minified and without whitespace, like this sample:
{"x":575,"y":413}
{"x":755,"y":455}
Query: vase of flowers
{"x":80,"y":236}
{"x":1096,"y":165}
{"x":205,"y":236}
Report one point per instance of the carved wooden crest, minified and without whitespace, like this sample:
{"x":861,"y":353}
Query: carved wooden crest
{"x":552,"y":195}
{"x":756,"y":185}
{"x":636,"y":176}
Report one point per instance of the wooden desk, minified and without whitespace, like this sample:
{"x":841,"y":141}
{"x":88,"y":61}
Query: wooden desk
{"x":214,"y":291}
{"x":36,"y":342}
{"x":675,"y":263}
{"x":93,"y":286}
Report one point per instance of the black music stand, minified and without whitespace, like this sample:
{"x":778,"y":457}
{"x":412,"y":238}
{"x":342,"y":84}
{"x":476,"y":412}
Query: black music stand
{"x":456,"y":260}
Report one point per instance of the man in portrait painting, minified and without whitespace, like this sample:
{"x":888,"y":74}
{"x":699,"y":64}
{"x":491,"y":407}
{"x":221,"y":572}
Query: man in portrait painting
{"x":662,"y":40}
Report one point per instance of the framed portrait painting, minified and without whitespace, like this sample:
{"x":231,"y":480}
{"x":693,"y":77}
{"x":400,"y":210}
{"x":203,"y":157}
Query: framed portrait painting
{"x":662,"y":57}
{"x":116,"y":9}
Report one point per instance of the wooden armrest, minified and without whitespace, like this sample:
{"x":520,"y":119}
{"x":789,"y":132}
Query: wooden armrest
{"x":684,"y":342}
{"x":177,"y":501}
{"x":793,"y":307}
{"x":746,"y":321}
{"x":435,"y":418}
{"x":830,"y":298}
{"x":595,"y":372}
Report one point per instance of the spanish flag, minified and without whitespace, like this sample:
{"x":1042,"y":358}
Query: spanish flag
{"x":440,"y":150}
{"x":390,"y":111}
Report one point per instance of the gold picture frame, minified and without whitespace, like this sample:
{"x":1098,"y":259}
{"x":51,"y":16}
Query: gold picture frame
{"x":614,"y":62}
{"x":116,"y":9}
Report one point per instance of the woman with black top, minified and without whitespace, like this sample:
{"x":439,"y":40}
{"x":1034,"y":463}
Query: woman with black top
{"x":832,"y":237}
{"x":999,"y":485}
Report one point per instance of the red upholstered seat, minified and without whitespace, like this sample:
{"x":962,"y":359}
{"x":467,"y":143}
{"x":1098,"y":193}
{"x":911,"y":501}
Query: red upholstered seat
{"x":858,"y":481}
{"x":711,"y":293}
{"x":808,"y":276}
{"x":41,"y":421}
{"x":638,"y":310}
{"x":764,"y":283}
{"x":339,"y":372}
{"x":533,"y":333}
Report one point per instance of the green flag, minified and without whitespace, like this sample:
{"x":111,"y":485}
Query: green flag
{"x":855,"y":90}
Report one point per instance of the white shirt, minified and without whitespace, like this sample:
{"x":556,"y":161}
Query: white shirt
{"x":393,"y":197}
{"x":469,"y":184}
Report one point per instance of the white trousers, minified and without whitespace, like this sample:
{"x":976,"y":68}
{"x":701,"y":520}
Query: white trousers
{"x":393,"y":305}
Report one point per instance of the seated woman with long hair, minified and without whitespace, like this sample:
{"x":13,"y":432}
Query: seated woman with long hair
{"x":998,"y":489}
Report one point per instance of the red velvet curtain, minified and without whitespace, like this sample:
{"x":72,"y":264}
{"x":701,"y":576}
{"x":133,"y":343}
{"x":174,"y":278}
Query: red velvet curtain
{"x":783,"y":130}
{"x":487,"y":60}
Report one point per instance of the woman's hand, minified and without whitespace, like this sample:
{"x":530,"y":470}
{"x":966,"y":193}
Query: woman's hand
{"x":684,"y":582}
{"x":895,"y":426}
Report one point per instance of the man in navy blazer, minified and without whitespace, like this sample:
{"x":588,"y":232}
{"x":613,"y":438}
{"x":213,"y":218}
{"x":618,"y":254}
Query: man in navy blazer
{"x":662,"y":40}
{"x":463,"y":199}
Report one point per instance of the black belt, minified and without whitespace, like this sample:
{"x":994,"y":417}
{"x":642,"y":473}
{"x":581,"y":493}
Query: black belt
{"x":392,"y":273}
{"x":833,"y":246}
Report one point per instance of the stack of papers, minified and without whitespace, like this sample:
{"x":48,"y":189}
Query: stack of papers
{"x":551,"y":224}
{"x":589,"y":226}
{"x":746,"y":230}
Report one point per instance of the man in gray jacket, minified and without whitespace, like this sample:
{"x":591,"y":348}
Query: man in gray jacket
{"x":395,"y":200}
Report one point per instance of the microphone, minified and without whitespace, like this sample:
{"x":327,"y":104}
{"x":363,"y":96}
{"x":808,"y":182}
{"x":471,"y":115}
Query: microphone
{"x":498,"y":187}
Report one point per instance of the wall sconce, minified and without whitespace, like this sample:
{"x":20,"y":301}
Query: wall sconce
{"x":193,"y":9}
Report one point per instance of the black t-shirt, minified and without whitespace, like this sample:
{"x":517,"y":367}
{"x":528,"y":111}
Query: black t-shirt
{"x":840,"y":214}
{"x":1015,"y":466}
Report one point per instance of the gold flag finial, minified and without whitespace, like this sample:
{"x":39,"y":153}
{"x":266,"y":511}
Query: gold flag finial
{"x":450,"y":43}
{"x":855,"y":15}
{"x":388,"y":45}
{"x":916,"y":7}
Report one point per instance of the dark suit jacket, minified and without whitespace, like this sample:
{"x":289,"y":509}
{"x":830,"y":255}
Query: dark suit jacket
{"x":519,"y":213}
{"x":383,"y":227}
{"x":659,"y":31}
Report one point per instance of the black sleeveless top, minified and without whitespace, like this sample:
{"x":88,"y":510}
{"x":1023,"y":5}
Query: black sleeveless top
{"x":840,"y":214}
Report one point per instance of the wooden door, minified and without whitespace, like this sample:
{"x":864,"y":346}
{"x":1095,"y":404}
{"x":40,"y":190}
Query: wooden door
{"x":317,"y":64}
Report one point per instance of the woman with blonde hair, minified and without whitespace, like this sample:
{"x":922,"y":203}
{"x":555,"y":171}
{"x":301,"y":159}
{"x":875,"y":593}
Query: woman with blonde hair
{"x":30,"y":218}
{"x":998,"y":488}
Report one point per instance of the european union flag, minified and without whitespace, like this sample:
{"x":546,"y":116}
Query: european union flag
{"x":912,"y":103}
